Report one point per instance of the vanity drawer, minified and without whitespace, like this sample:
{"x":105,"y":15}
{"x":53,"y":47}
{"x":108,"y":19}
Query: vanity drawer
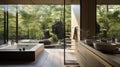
{"x":87,"y":58}
{"x":81,"y":60}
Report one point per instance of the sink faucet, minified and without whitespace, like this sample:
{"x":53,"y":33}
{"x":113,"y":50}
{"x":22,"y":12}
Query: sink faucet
{"x":12,"y":42}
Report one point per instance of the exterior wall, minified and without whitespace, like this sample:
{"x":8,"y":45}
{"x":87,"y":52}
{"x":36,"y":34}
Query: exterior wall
{"x":75,"y":23}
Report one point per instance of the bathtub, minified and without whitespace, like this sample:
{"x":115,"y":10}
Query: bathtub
{"x":21,"y":52}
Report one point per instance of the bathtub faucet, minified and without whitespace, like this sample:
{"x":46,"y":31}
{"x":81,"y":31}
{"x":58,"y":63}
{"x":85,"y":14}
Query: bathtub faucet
{"x":12,"y":42}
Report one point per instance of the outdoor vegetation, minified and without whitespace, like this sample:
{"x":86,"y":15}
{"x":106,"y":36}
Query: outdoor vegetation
{"x":108,"y":17}
{"x":34,"y":20}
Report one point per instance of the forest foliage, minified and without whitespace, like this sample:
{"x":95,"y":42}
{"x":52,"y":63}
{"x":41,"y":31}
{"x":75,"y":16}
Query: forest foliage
{"x":108,"y":17}
{"x":33,"y":20}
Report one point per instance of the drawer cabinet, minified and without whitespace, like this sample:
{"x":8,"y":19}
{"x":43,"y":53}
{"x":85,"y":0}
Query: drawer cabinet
{"x":86,"y":58}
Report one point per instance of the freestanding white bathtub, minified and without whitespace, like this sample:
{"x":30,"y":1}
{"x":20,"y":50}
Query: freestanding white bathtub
{"x":21,"y":52}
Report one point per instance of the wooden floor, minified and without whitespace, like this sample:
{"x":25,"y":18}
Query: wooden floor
{"x":49,"y":58}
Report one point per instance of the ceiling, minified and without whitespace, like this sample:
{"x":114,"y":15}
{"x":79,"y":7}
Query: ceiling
{"x":108,"y":2}
{"x":39,"y":2}
{"x":55,"y":2}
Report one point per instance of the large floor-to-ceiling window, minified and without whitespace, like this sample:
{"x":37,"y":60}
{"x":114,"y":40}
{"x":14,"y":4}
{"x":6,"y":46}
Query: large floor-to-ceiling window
{"x":108,"y":18}
{"x":11,"y":20}
{"x":35,"y":22}
{"x":38,"y":22}
{"x":1,"y":24}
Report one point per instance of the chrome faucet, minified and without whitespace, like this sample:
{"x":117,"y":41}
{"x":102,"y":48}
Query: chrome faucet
{"x":12,"y":42}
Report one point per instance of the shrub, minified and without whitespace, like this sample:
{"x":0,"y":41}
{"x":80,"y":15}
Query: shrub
{"x":53,"y":38}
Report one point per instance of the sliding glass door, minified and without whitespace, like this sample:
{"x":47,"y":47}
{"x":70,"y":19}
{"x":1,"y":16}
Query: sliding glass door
{"x":71,"y":33}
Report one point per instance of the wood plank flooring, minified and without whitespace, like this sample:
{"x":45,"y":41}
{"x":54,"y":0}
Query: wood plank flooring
{"x":49,"y":58}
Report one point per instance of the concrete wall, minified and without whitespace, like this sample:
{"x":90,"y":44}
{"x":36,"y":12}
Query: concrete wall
{"x":75,"y":23}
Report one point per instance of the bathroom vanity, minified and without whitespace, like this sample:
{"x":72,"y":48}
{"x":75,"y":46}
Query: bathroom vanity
{"x":88,"y":56}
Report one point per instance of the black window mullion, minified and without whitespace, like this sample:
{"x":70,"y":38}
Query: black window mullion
{"x":5,"y":24}
{"x":16,"y":23}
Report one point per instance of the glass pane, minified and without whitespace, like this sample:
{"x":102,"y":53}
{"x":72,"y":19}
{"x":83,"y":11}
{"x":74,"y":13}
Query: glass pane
{"x":36,"y":22}
{"x":72,"y":25}
{"x":1,"y":24}
{"x":11,"y":22}
{"x":108,"y":19}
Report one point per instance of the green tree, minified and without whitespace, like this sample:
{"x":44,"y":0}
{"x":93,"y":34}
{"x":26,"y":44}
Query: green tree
{"x":109,"y":18}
